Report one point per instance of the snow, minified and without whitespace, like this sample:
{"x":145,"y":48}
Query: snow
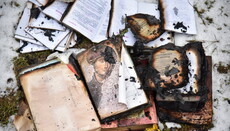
{"x":214,"y":35}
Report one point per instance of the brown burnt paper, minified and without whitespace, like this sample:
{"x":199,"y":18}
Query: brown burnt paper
{"x":145,"y":27}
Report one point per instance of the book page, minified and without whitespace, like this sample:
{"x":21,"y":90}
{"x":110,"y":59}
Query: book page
{"x":49,"y":38}
{"x":27,"y":47}
{"x":121,"y":8}
{"x":179,"y":16}
{"x":56,"y":10}
{"x":23,"y":23}
{"x":130,"y":89}
{"x":87,"y":17}
{"x":45,"y":22}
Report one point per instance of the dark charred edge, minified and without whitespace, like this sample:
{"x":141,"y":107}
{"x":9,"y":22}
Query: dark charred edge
{"x":197,"y":46}
{"x":25,"y":43}
{"x":34,"y":12}
{"x":162,"y":10}
{"x":77,"y":67}
{"x":67,"y":10}
{"x":164,"y":114}
{"x":34,"y":67}
{"x":185,"y":70}
{"x":111,"y":15}
{"x":140,"y":38}
{"x":126,"y":113}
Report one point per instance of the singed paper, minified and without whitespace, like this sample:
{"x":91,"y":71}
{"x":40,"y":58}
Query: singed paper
{"x":49,"y":38}
{"x":23,"y":23}
{"x":179,"y":16}
{"x":26,"y":47}
{"x":45,"y":22}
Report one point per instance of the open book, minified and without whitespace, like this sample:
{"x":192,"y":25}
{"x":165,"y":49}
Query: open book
{"x":57,"y":97}
{"x":112,"y":80}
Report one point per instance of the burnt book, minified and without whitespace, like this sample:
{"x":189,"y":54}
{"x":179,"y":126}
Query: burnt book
{"x":55,"y":90}
{"x":201,"y":117}
{"x":168,"y":67}
{"x":192,"y":94}
{"x":137,"y":121}
{"x":112,"y":80}
{"x":178,"y":16}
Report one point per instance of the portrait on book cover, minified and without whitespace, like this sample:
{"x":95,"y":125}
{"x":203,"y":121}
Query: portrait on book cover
{"x":100,"y":67}
{"x":103,"y":59}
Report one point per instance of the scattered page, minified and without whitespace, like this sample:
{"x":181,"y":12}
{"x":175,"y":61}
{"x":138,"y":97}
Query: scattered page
{"x":49,"y":38}
{"x":56,"y":10}
{"x":45,"y":22}
{"x":88,"y":17}
{"x":64,"y":44}
{"x":151,"y":9}
{"x":27,"y":47}
{"x":23,"y":23}
{"x":178,"y":16}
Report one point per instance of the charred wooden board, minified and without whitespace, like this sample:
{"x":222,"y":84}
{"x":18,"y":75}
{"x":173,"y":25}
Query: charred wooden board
{"x":145,"y":27}
{"x":204,"y":116}
{"x":168,"y":67}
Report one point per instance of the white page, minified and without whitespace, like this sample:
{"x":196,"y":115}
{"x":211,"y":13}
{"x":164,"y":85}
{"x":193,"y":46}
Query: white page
{"x":49,"y":38}
{"x":121,"y":8}
{"x":87,"y":17}
{"x":179,"y":16}
{"x":23,"y":23}
{"x":56,"y":9}
{"x":45,"y":22}
{"x":102,"y":32}
{"x":130,"y":88}
{"x":27,"y":47}
{"x":35,"y":2}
